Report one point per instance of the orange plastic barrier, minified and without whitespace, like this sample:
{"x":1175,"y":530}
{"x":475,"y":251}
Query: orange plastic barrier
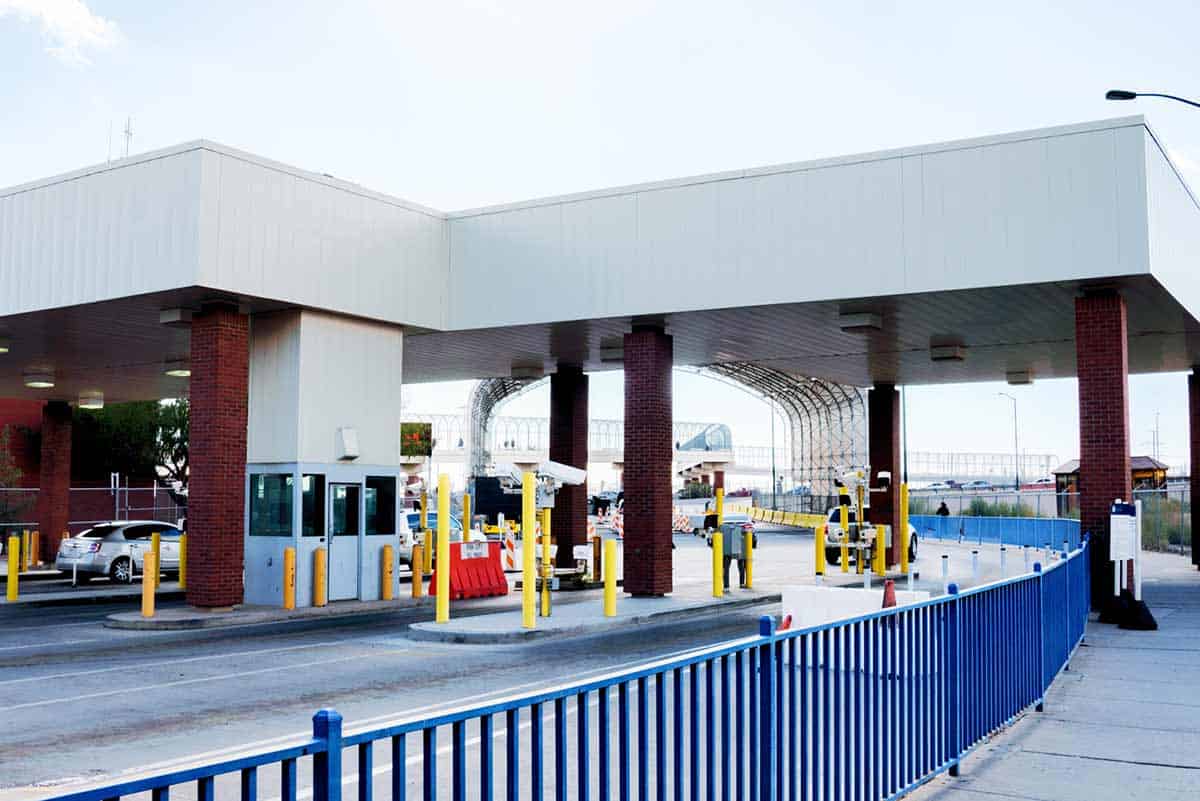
{"x":478,"y":574}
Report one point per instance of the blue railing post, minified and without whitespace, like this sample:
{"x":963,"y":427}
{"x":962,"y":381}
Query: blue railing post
{"x":1070,"y":600}
{"x":1041,"y":642}
{"x":327,"y":762}
{"x":953,"y":682}
{"x":766,"y":713}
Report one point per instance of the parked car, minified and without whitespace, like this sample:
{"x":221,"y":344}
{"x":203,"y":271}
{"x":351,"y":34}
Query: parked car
{"x":117,"y":549}
{"x":976,"y":486}
{"x":1045,"y":482}
{"x":938,"y":486}
{"x":410,"y":533}
{"x":833,"y":534}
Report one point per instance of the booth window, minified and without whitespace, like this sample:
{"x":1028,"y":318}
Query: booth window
{"x":381,"y":504}
{"x":312,"y":506}
{"x":271,"y":505}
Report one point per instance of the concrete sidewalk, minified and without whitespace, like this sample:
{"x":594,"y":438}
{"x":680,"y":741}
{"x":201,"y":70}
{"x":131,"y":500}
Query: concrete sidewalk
{"x":1123,"y":723}
{"x":189,"y":617}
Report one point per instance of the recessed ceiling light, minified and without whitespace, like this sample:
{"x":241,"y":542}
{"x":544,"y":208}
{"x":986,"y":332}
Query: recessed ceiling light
{"x":179,"y":368}
{"x":39,"y":379}
{"x":91,"y":399}
{"x":4,"y":344}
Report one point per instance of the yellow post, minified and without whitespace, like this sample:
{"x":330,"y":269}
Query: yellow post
{"x":418,"y":577}
{"x":149,"y":566}
{"x":844,"y":511}
{"x":748,"y":549}
{"x":35,"y":548}
{"x":597,"y":555}
{"x":466,"y":521}
{"x":424,"y":510}
{"x":319,"y":577}
{"x":14,"y":566}
{"x":880,"y":550}
{"x":289,"y":578}
{"x":904,"y":528}
{"x":720,"y":506}
{"x":385,"y":588}
{"x":859,"y":559}
{"x":183,"y":561}
{"x":845,"y":553}
{"x":528,"y":540}
{"x":24,"y":550}
{"x":820,"y":555}
{"x":156,"y":546}
{"x":610,"y":578}
{"x":443,"y":550}
{"x":547,"y":563}
{"x":718,"y":561}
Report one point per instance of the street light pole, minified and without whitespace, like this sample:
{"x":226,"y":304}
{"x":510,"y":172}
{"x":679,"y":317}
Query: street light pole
{"x":1123,"y":94}
{"x":1016,"y":450}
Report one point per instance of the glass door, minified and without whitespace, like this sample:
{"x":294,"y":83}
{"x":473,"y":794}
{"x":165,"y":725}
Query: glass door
{"x":344,"y":508}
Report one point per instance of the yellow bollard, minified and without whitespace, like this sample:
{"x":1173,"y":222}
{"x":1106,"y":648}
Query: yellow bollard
{"x":24,"y":550}
{"x":429,"y":544}
{"x":610,"y":578}
{"x":820,"y":555}
{"x":35,"y":548}
{"x":547,"y":563}
{"x":319,"y":594}
{"x":880,"y":550}
{"x":424,"y":510}
{"x":466,"y":520}
{"x":442,"y":614}
{"x":183,"y":562}
{"x":718,"y":562}
{"x":597,"y":555}
{"x":528,"y":540}
{"x":156,"y":547}
{"x":859,"y":560}
{"x":418,"y":577}
{"x":845,"y":554}
{"x":149,"y":566}
{"x":904,"y":529}
{"x":386,"y":580}
{"x":289,"y":578}
{"x":748,"y":548}
{"x":720,"y":506}
{"x":14,"y":567}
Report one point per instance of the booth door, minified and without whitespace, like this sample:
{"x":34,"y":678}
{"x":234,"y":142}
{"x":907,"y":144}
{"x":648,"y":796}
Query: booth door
{"x":343,"y":541}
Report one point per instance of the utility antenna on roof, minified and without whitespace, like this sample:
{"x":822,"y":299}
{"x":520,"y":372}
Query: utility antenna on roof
{"x":108,"y":157}
{"x":128,"y":134}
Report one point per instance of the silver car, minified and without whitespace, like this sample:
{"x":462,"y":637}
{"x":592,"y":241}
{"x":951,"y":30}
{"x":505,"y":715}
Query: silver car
{"x":117,"y":550}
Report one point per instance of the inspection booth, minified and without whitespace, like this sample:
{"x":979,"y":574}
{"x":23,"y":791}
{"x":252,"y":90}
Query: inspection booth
{"x":323,"y":454}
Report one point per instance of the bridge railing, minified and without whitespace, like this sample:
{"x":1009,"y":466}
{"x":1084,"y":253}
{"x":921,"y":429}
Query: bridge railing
{"x":1036,"y":532}
{"x":868,"y":707}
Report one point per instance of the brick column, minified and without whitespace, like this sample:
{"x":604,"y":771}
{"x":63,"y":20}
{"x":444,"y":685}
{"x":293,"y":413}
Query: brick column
{"x":54,"y":486}
{"x":569,"y":445}
{"x":216,"y":486}
{"x":718,"y":480}
{"x":704,"y":479}
{"x":883,"y":443}
{"x":1102,"y":365}
{"x":649,"y":353}
{"x":1194,"y":431}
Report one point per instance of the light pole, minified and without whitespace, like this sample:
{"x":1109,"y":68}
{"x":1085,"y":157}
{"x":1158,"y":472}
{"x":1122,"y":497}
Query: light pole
{"x":1016,"y":451}
{"x":1122,"y":94}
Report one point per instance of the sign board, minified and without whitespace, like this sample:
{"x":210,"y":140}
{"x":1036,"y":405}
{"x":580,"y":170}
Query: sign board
{"x":581,"y":553}
{"x":416,"y":439}
{"x":1124,"y":532}
{"x":474,"y":550}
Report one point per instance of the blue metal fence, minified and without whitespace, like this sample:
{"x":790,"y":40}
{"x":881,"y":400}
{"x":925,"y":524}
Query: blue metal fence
{"x":1036,"y":532}
{"x":865,"y":708}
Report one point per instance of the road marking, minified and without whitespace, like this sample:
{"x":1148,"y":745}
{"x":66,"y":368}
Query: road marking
{"x":179,"y":661}
{"x":179,"y":683}
{"x":45,"y":644}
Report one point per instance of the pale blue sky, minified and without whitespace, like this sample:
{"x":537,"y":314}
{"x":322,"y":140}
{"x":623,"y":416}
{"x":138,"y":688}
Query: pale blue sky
{"x":462,"y":104}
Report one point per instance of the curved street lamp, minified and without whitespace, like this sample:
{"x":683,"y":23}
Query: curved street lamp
{"x":1123,"y":94}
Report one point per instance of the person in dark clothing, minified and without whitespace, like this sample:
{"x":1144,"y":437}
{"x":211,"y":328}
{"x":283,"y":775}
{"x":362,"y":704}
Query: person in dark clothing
{"x":943,"y":510}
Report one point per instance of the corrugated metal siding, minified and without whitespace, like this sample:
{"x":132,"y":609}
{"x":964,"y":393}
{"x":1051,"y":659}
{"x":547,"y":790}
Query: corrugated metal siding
{"x":123,"y":231}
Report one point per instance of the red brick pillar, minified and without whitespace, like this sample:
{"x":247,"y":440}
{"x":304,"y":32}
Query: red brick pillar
{"x":569,"y":445}
{"x":217,"y":482}
{"x":718,"y":480}
{"x":704,"y":479}
{"x":883,"y":443}
{"x":1102,"y":365}
{"x":54,"y":487}
{"x":649,"y":353}
{"x":1194,"y":431}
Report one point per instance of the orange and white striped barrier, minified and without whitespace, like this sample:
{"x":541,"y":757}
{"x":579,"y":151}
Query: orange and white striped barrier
{"x":619,"y":525}
{"x":510,"y":551}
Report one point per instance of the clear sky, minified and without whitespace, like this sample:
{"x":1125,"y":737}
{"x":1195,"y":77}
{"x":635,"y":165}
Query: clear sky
{"x":460,"y":104}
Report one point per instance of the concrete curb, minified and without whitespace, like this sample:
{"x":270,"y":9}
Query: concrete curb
{"x":190,"y":619}
{"x":433,"y":632}
{"x":54,"y":599}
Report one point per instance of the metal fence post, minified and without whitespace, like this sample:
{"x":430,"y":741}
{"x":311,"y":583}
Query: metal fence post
{"x":766,"y":718}
{"x":327,"y":763}
{"x":953,"y":683}
{"x":1041,"y":650}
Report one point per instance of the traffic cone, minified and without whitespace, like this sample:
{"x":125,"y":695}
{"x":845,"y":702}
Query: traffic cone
{"x":889,"y":594}
{"x":786,"y":624}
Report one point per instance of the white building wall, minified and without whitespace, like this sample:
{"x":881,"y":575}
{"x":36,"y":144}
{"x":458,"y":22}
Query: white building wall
{"x":1174,"y":225}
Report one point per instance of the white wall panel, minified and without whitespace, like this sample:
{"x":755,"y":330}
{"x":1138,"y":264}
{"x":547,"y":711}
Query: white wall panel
{"x":124,"y":229}
{"x":274,"y":396}
{"x":1043,"y":206}
{"x":1174,"y":230}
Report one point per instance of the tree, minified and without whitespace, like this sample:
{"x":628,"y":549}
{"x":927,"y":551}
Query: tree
{"x":120,"y":438}
{"x":174,"y":421}
{"x":12,"y":504}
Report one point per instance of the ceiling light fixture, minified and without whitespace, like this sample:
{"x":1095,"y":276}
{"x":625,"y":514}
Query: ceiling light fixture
{"x":178,"y":368}
{"x":91,"y":399}
{"x":947,"y":353}
{"x":39,"y":379}
{"x":1019,"y":377}
{"x":4,"y":344}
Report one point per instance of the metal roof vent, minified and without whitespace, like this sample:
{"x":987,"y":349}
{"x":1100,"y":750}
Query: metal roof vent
{"x":1017,"y":377}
